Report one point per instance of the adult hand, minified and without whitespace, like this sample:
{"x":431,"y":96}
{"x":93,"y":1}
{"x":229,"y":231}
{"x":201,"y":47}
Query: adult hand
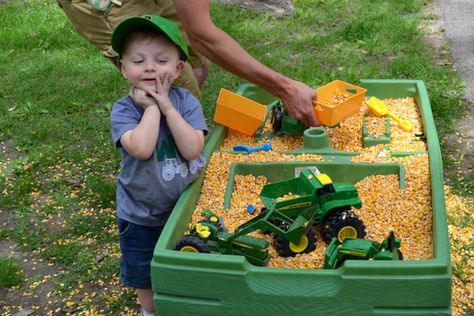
{"x":298,"y":101}
{"x":223,"y":50}
{"x":142,"y":98}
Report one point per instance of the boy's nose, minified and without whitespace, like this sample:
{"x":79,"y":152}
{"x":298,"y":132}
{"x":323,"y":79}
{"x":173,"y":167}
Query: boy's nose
{"x":150,"y":66}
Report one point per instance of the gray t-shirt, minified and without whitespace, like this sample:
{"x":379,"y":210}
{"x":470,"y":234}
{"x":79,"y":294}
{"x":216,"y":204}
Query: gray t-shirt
{"x":147,"y":190}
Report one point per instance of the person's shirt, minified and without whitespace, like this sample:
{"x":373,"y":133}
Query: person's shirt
{"x":147,"y":190}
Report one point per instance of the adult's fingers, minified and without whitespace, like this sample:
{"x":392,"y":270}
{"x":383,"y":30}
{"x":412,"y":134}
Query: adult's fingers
{"x":303,"y":111}
{"x":309,"y":118}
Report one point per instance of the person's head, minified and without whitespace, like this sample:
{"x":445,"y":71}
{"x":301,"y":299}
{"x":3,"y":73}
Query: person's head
{"x":149,"y":46}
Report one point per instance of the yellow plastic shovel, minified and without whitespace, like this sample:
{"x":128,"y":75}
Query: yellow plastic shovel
{"x":379,"y":108}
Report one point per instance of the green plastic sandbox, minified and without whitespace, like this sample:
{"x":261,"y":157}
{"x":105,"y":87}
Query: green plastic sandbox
{"x":213,"y":284}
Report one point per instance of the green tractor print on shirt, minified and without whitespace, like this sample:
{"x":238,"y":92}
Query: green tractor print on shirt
{"x":166,"y":152}
{"x":172,"y":168}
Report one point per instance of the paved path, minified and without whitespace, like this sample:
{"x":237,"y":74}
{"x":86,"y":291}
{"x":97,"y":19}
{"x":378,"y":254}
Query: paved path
{"x":458,"y":18}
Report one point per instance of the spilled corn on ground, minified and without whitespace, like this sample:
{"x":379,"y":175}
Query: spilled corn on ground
{"x":385,"y":205}
{"x":461,"y":235}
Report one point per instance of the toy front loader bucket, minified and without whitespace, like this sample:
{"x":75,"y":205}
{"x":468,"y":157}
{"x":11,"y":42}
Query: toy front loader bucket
{"x":239,"y":113}
{"x":293,"y":194}
{"x":263,"y":222}
{"x":302,"y":192}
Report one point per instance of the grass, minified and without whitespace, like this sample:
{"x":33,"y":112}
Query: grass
{"x":12,"y":273}
{"x":58,"y":163}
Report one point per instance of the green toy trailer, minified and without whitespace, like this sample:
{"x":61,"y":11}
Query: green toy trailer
{"x":361,"y":249}
{"x":291,"y":209}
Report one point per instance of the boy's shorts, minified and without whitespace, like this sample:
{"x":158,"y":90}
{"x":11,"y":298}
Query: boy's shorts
{"x":137,"y":244}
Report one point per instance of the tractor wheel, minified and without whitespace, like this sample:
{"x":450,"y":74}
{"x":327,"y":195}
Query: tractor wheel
{"x":391,"y":245}
{"x":342,"y":224}
{"x":286,"y":248}
{"x":276,"y":118}
{"x":391,"y":241}
{"x":167,"y":173}
{"x":340,"y":262}
{"x":192,"y":244}
{"x":214,"y":220}
{"x":400,"y":254}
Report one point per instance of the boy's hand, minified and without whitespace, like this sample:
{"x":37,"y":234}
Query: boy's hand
{"x":161,"y":96}
{"x":142,"y":98}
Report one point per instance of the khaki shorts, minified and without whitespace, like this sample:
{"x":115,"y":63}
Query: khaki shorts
{"x":97,"y":27}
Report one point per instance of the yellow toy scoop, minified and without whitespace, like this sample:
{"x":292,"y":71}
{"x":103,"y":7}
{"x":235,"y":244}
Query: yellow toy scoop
{"x":379,"y":108}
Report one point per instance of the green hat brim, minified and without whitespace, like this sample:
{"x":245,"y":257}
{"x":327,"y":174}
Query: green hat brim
{"x":147,"y":22}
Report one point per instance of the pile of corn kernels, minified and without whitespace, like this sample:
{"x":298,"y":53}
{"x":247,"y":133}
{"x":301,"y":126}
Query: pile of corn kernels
{"x":385,"y":206}
{"x":286,"y":197}
{"x":347,"y":135}
{"x":337,"y":99}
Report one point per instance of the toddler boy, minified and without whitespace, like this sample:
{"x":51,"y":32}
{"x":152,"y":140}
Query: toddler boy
{"x":159,"y":130}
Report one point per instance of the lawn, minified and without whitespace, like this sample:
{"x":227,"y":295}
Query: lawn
{"x":58,"y":163}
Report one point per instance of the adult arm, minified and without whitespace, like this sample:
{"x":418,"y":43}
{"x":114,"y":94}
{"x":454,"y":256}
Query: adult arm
{"x":223,"y":50}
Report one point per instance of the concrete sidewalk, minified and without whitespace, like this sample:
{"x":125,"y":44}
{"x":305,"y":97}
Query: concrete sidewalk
{"x":458,"y":19}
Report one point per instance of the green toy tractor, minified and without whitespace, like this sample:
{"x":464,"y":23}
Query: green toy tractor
{"x":314,"y":200}
{"x":292,"y":208}
{"x":283,"y":123}
{"x":210,"y":235}
{"x":361,"y":249}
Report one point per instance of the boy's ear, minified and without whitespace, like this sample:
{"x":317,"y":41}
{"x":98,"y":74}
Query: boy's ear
{"x":122,"y":68}
{"x":179,"y":69}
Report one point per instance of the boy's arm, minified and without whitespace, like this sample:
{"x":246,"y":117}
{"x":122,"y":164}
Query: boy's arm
{"x":140,"y":142}
{"x":190,"y":142}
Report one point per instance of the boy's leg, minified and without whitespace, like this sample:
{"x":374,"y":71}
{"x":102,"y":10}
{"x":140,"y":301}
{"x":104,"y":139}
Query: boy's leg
{"x":137,"y":244}
{"x":145,"y":297}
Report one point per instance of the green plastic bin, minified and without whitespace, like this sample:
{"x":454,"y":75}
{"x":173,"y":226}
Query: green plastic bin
{"x":213,"y":284}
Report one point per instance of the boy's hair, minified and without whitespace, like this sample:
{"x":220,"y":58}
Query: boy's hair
{"x":148,"y":24}
{"x":148,"y":34}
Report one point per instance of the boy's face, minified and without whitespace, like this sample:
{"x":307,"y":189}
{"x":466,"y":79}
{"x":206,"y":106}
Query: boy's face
{"x":144,"y":59}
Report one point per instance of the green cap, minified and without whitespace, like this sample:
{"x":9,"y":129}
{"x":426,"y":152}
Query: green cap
{"x":148,"y":22}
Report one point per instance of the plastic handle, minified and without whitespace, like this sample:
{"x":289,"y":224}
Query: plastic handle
{"x":265,"y":146}
{"x":404,"y":124}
